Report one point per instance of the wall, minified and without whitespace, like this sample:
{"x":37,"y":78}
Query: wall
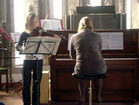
{"x":135,"y":14}
{"x":72,"y":4}
{"x":120,"y":6}
{"x":44,"y":10}
{"x":29,"y":6}
{"x":69,"y":8}
{"x":8,"y":21}
{"x":109,"y":2}
{"x":65,"y":12}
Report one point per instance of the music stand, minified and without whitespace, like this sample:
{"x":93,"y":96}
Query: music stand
{"x":41,"y":45}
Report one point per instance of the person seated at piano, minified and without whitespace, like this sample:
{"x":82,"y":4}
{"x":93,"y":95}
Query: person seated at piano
{"x":85,"y":48}
{"x":31,"y":61}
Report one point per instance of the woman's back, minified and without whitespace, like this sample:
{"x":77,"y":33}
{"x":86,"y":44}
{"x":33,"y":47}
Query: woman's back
{"x":89,"y":60}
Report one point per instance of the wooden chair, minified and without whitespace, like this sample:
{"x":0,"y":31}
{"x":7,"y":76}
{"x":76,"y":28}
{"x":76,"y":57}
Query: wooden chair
{"x":90,"y":78}
{"x":5,"y":72}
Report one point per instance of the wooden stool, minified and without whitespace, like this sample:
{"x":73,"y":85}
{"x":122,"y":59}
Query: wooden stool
{"x":4,"y":71}
{"x":90,"y":78}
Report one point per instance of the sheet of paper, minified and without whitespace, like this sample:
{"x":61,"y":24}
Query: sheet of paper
{"x":31,"y":45}
{"x":42,"y":45}
{"x":69,"y":37}
{"x":49,"y":45}
{"x":51,"y":24}
{"x":15,"y":36}
{"x":105,"y":40}
{"x":112,"y":40}
{"x":116,"y":41}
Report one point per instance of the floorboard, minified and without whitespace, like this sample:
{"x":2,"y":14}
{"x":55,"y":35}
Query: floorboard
{"x":12,"y":98}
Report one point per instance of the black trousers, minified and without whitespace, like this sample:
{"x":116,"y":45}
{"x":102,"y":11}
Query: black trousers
{"x":28,"y":66}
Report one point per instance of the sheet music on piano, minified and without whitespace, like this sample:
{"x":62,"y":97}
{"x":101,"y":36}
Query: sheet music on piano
{"x":110,"y":40}
{"x":69,"y":36}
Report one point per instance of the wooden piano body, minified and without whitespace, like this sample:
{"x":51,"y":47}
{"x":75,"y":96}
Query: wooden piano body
{"x":122,"y":82}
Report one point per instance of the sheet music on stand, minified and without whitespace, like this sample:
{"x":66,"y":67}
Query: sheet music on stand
{"x":41,"y":45}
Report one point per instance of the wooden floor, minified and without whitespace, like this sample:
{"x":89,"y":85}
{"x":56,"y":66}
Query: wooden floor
{"x":104,"y":103}
{"x":12,"y":98}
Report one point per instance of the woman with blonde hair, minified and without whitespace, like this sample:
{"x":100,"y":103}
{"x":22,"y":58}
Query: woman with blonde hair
{"x":86,"y":48}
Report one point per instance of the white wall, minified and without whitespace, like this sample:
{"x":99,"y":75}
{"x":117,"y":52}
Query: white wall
{"x":135,"y":14}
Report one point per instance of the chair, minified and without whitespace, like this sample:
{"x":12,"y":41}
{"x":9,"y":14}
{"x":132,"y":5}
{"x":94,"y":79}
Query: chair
{"x":5,"y":72}
{"x":90,"y":78}
{"x":18,"y":88}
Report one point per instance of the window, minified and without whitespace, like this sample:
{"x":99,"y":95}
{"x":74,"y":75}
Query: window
{"x":95,"y":2}
{"x":128,"y":14}
{"x":57,"y":7}
{"x":19,"y":26}
{"x":19,"y":15}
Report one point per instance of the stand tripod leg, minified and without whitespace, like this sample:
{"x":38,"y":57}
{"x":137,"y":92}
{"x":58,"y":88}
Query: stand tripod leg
{"x":0,"y":82}
{"x":7,"y":82}
{"x":90,"y":93}
{"x":36,"y":83}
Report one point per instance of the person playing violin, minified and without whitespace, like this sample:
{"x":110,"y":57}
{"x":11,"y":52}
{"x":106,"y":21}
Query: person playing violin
{"x":31,"y":61}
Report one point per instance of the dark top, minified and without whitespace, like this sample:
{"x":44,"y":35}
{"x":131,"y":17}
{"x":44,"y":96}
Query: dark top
{"x":23,"y":38}
{"x":86,"y":50}
{"x":1,"y":103}
{"x":25,"y":35}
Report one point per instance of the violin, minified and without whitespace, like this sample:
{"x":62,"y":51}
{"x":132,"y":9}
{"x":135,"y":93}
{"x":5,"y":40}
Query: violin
{"x":40,"y":32}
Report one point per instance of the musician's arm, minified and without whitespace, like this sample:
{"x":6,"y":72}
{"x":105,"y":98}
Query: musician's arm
{"x":72,"y":50}
{"x":49,"y":34}
{"x":100,"y":43}
{"x":22,"y":40}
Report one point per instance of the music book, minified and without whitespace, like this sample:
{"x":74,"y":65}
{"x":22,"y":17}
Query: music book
{"x":15,"y":36}
{"x":51,"y":24}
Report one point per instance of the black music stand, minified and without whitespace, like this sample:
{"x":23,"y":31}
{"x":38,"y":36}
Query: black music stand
{"x":41,"y":45}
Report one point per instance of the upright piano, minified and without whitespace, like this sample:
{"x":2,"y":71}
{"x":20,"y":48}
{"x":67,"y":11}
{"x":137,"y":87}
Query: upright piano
{"x":122,"y":82}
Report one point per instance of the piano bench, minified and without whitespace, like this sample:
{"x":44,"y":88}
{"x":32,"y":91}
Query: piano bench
{"x":5,"y":72}
{"x":90,"y":78}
